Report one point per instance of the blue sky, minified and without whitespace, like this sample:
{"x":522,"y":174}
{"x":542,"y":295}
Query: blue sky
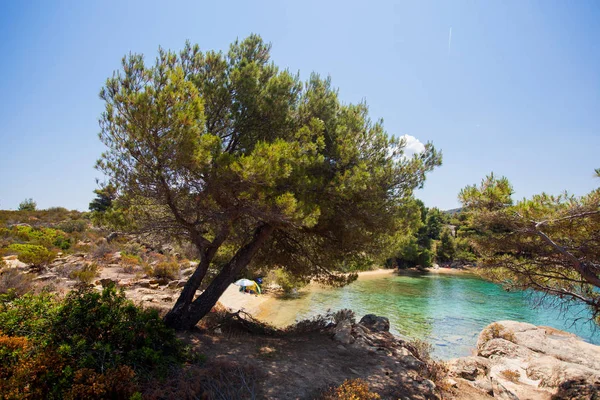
{"x":515,"y":90}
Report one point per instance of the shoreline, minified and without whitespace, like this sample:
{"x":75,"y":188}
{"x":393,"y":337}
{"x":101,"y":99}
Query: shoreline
{"x":258,"y":305}
{"x":265,"y":306}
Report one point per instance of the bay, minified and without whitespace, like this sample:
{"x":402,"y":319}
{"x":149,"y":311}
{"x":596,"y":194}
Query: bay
{"x":449,"y":311}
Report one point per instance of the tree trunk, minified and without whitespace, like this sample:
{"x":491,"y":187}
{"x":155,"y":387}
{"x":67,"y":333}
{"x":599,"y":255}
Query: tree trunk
{"x":186,"y":316}
{"x":189,"y":290}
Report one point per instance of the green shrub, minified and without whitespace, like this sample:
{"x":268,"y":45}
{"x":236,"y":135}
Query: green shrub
{"x":85,"y":274}
{"x":90,"y":345}
{"x":32,"y":254}
{"x":62,"y":242}
{"x":288,"y":282}
{"x":46,"y":237}
{"x":78,"y":225}
{"x":27,"y":205}
{"x":166,"y":269}
{"x":425,"y":258}
{"x":104,"y":330}
{"x":29,"y":315}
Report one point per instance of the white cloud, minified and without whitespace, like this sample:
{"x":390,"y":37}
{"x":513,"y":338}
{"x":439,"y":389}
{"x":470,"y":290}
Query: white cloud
{"x":413,"y":145}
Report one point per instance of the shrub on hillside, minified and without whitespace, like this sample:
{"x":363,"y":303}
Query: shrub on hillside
{"x":14,"y":283}
{"x":89,"y":345}
{"x":103,"y":249}
{"x":27,"y":205}
{"x":78,"y":225}
{"x":130,"y":261}
{"x":85,"y":274}
{"x":32,"y":254}
{"x":166,"y":269}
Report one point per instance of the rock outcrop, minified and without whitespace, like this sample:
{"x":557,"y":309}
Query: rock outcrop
{"x":398,"y":358}
{"x":516,"y":360}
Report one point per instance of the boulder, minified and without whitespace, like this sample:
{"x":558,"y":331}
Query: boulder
{"x":547,"y":361}
{"x":159,"y":281}
{"x":577,"y":390}
{"x":469,"y":368}
{"x":343,"y":332}
{"x":145,"y":283}
{"x":485,"y":385}
{"x":176,"y":284}
{"x":375,"y":323}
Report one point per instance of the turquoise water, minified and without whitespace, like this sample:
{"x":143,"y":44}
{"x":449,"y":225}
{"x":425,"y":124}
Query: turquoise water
{"x":449,"y":311}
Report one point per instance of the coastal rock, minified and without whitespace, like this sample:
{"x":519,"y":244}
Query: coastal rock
{"x":544,"y":360}
{"x":501,"y":392}
{"x":577,"y":390}
{"x":469,"y":368}
{"x":343,"y":332}
{"x":375,"y":323}
{"x":484,"y":385}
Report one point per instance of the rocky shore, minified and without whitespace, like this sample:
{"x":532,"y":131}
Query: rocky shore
{"x":516,"y":360}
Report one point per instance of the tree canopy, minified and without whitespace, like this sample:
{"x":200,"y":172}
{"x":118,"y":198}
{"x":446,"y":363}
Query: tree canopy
{"x":27,"y":205}
{"x":547,"y":243}
{"x":250,"y":164}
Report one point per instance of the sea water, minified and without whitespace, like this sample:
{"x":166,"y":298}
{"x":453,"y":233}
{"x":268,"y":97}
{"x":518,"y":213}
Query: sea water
{"x":449,"y":311}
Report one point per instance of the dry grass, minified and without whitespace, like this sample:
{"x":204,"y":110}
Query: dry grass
{"x":497,"y":330}
{"x":511,"y":375}
{"x":351,"y":389}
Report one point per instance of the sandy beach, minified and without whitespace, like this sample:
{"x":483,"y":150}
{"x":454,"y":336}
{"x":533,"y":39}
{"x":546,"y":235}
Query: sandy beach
{"x":259,"y":305}
{"x":450,"y":271}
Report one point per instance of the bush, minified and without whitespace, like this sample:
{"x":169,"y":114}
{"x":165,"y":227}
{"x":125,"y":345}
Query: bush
{"x":89,"y":345}
{"x":497,"y":330}
{"x":166,"y":269}
{"x":78,"y":225}
{"x":62,"y":242}
{"x":32,"y":254}
{"x":85,"y":274}
{"x":102,"y":249}
{"x":27,"y":205}
{"x":14,"y":283}
{"x":425,"y":258}
{"x":285,"y":280}
{"x":351,"y":389}
{"x":344,"y":315}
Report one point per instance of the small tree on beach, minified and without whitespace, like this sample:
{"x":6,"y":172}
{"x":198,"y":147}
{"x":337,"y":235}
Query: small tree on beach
{"x":250,"y":164}
{"x":547,"y":243}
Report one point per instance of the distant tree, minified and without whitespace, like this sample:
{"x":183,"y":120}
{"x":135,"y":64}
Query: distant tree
{"x":435,"y":221}
{"x":104,"y":198}
{"x":446,"y":249}
{"x":27,"y":205}
{"x":251,"y":165}
{"x":547,"y":243}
